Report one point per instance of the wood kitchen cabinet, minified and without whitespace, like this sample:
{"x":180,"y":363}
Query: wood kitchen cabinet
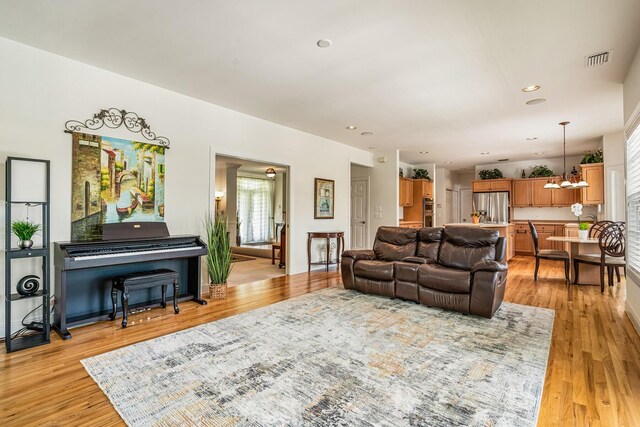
{"x":523,"y":244}
{"x":511,"y":242}
{"x":486,"y":185}
{"x":406,"y":192}
{"x":521,"y":193}
{"x":422,"y":189}
{"x":594,"y":174}
{"x":531,"y":192}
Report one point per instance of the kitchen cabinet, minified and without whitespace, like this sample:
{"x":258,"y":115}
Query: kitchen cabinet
{"x":521,"y":193}
{"x":545,"y":231}
{"x":511,"y":242}
{"x":540,"y":196}
{"x":422,"y":189}
{"x":559,"y":231}
{"x":411,"y":224}
{"x":406,"y":192}
{"x":594,"y":174}
{"x":523,"y":244}
{"x":531,"y":192}
{"x":491,"y":185}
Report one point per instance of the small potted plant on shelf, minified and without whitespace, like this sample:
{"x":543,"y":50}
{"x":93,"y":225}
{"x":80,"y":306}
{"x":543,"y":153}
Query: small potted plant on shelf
{"x":475,"y":217}
{"x":24,"y":230}
{"x":218,"y":256}
{"x":491,"y":174}
{"x":583,"y":227}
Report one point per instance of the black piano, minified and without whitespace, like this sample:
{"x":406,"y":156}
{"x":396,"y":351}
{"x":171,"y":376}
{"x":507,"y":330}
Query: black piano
{"x":84,"y":270}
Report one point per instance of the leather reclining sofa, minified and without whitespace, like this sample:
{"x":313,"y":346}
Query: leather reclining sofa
{"x":460,"y":268}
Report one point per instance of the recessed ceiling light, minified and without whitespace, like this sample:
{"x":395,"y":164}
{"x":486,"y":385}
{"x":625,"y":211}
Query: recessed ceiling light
{"x":424,"y":152}
{"x":323,"y":43}
{"x":485,"y":153}
{"x":447,"y":163}
{"x":352,"y":127}
{"x":531,"y":88}
{"x":366,"y":133}
{"x":536,"y":101}
{"x":533,"y":138}
{"x":539,"y":152}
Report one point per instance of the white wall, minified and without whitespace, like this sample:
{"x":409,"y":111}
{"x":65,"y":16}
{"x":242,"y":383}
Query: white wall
{"x":514,"y":169}
{"x":40,"y":91}
{"x":631,"y":95}
{"x":384,"y":191}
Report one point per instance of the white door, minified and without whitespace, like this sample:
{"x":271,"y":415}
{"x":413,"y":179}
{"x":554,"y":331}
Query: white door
{"x":359,"y":213}
{"x":466,"y":204}
{"x":452,"y":206}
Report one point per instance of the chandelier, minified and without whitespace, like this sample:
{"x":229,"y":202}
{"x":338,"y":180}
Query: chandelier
{"x":567,"y":181}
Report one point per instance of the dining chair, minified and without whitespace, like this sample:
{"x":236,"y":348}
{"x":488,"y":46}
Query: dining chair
{"x":611,"y":242}
{"x":594,"y":233}
{"x":548,"y":254}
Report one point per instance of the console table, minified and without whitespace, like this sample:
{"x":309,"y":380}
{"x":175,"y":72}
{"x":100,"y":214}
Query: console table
{"x":328,"y":235}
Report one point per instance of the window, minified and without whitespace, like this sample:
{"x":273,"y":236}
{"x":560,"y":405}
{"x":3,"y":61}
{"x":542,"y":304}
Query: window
{"x":254,"y":209}
{"x":633,"y":204}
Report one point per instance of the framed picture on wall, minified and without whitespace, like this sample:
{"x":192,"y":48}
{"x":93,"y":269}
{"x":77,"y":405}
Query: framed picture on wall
{"x":323,"y":198}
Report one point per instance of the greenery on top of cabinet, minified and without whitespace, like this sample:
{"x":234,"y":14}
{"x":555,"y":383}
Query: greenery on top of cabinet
{"x":490,"y":174}
{"x":540,"y":171}
{"x":421,"y":174}
{"x":595,"y":157}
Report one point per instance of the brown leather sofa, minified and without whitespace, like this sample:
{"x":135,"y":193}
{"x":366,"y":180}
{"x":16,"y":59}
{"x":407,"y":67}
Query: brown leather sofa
{"x":460,"y":268}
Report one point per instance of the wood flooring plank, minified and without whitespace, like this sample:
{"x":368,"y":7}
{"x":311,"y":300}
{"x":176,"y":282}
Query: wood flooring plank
{"x":593,"y":372}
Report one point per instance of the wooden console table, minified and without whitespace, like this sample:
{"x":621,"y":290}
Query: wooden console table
{"x":328,"y":235}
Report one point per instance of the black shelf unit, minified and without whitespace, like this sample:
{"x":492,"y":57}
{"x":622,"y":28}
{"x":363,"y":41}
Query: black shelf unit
{"x":42,"y":335}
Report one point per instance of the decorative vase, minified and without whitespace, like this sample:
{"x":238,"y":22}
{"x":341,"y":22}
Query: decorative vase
{"x":25,"y":244}
{"x":475,"y":219}
{"x":583,"y":234}
{"x":217,"y":291}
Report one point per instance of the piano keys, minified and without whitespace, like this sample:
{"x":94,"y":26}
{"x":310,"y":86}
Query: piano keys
{"x":84,"y":270}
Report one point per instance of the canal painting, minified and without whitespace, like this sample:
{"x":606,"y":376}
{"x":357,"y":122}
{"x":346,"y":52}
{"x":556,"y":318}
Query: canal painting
{"x":114,"y":180}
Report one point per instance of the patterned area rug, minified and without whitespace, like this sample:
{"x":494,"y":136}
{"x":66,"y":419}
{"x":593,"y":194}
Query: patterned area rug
{"x":240,"y":258}
{"x":336,"y":357}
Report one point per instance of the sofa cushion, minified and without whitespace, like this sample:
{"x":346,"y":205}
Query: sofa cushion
{"x":429,"y":239}
{"x":377,"y":287}
{"x":376,"y":270}
{"x":444,"y":279}
{"x":464,"y":246}
{"x":395,"y":243}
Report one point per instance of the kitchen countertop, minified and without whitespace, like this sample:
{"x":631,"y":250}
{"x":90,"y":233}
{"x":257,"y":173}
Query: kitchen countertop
{"x":483,"y":225}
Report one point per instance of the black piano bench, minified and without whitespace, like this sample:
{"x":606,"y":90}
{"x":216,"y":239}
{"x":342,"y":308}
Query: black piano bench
{"x":143,"y":280}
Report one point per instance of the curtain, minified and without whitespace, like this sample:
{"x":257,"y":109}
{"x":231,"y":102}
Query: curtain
{"x":633,"y":203}
{"x":255,"y":209}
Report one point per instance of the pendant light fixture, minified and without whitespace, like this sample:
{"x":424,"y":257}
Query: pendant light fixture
{"x":567,"y":181}
{"x":270,"y":172}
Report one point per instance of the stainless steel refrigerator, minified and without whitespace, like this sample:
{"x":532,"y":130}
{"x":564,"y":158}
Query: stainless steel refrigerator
{"x":493,"y":207}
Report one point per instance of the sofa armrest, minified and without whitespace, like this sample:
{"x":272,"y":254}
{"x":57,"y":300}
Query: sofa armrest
{"x":359,"y":254}
{"x":487,"y":292}
{"x":418,"y":260}
{"x":485,"y":265}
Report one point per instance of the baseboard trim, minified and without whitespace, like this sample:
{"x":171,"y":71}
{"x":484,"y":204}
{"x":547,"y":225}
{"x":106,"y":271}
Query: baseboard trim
{"x":633,"y":316}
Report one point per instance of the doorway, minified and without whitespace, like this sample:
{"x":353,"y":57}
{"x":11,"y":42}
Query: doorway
{"x":452,"y":214}
{"x":466,"y":204}
{"x":254,"y":197}
{"x":359,"y":213}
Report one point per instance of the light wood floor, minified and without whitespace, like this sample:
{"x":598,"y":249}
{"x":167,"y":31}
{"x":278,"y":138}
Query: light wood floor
{"x":593,"y":375}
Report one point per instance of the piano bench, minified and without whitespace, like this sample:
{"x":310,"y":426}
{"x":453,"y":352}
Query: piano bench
{"x":143,"y":280}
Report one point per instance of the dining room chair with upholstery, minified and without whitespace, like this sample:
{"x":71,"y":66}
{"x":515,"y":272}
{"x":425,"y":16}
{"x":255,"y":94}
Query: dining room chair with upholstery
{"x":611,"y":242}
{"x":548,"y":254}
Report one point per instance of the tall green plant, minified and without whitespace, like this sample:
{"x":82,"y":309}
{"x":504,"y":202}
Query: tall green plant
{"x":24,"y":230}
{"x":218,"y":249}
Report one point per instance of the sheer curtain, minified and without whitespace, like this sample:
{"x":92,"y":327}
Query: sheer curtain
{"x":254,"y":209}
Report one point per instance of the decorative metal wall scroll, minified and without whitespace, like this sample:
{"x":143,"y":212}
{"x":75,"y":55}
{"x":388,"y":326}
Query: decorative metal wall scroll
{"x":114,"y":118}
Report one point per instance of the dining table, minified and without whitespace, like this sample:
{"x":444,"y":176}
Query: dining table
{"x":589,"y":274}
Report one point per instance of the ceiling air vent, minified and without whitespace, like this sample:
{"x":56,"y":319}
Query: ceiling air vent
{"x":597,"y":59}
{"x":503,"y":160}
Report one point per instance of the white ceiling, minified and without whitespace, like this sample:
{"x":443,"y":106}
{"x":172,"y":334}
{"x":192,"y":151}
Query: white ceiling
{"x":423,"y":75}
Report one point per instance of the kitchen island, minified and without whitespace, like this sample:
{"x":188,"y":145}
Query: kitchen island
{"x":505,"y":230}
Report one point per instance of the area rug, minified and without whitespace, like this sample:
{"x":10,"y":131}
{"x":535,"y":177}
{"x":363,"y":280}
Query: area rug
{"x":336,"y":358}
{"x":240,"y":258}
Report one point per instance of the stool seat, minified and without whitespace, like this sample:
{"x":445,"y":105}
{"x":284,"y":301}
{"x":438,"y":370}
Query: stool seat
{"x":143,"y":280}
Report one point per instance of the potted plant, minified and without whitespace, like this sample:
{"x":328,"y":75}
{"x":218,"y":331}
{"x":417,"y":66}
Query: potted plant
{"x":24,"y":230}
{"x":475,"y":217}
{"x":422,"y":174}
{"x":583,"y":227}
{"x":595,"y":157}
{"x":218,"y":256}
{"x":491,"y":174}
{"x":540,"y":171}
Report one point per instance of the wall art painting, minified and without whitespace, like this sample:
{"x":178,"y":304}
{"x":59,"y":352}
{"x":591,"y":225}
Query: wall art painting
{"x":114,"y":180}
{"x":324,"y":198}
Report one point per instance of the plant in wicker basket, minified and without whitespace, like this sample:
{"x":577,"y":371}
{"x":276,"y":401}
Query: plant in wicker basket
{"x":218,"y":256}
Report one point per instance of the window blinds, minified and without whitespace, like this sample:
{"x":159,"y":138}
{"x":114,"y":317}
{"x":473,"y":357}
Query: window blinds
{"x":633,"y":203}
